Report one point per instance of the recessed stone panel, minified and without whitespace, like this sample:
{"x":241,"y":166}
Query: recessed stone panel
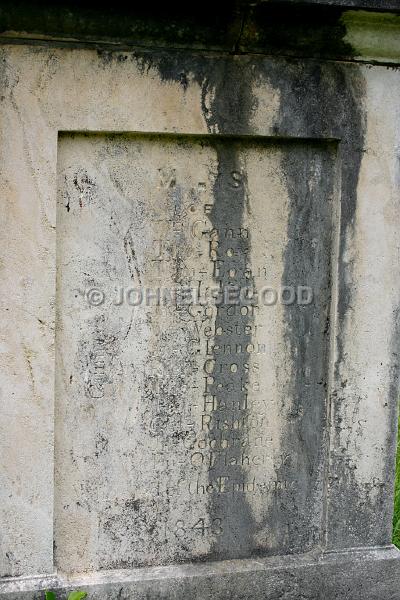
{"x":192,"y":339}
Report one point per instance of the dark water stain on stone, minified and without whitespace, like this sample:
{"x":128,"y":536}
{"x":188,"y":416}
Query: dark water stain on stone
{"x":232,"y":261}
{"x":226,"y":105}
{"x":321,"y":101}
{"x":296,"y":516}
{"x":325,"y":101}
{"x":231,"y":108}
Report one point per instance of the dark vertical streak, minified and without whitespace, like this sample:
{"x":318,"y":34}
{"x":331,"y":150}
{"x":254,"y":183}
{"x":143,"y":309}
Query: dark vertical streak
{"x":310,"y":177}
{"x":230,"y":109}
{"x":325,"y":100}
{"x":232,"y":254}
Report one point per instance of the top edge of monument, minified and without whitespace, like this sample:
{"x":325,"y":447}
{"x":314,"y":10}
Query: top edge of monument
{"x":359,"y":30}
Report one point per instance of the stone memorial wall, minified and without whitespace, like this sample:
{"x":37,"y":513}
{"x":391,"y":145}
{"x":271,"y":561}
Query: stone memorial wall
{"x":200,"y":267}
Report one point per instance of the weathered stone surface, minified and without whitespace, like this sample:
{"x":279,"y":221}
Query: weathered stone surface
{"x":259,"y":442}
{"x":190,"y":429}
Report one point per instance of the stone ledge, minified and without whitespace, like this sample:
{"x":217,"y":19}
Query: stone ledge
{"x":358,"y":574}
{"x":321,"y":29}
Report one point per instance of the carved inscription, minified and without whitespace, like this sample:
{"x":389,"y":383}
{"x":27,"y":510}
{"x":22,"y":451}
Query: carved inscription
{"x":188,"y":358}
